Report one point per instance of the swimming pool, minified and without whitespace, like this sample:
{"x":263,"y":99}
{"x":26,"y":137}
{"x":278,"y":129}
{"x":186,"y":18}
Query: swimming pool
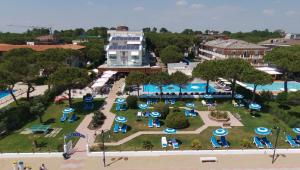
{"x":276,"y":86}
{"x":173,"y":88}
{"x":4,"y":93}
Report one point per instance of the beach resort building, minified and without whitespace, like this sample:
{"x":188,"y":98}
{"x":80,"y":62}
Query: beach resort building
{"x":231,"y":48}
{"x":126,"y":52}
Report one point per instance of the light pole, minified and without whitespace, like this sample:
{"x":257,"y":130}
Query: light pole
{"x":275,"y":147}
{"x":103,"y":145}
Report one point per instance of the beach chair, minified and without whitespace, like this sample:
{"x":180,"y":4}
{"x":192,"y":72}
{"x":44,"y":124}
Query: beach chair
{"x":258,"y":143}
{"x":63,"y":118}
{"x":291,"y":141}
{"x":116,"y":128}
{"x":173,"y":101}
{"x":267,"y":142}
{"x":147,"y":114}
{"x":203,"y":102}
{"x":175,"y":144}
{"x":124,"y":108}
{"x":164,"y":142}
{"x":214,"y":142}
{"x":149,"y":102}
{"x":155,"y":101}
{"x":166,"y":101}
{"x":124,"y":128}
{"x":193,"y":113}
{"x":150,"y":123}
{"x":72,"y":118}
{"x":187,"y":113}
{"x":298,"y":138}
{"x":118,"y":107}
{"x":157,"y":123}
{"x":224,"y":142}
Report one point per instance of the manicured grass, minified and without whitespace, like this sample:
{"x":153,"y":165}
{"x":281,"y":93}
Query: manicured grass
{"x":235,"y":137}
{"x":135,"y":125}
{"x":16,"y":142}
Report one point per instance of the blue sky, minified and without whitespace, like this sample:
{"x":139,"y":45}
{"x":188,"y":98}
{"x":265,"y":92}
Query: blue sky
{"x":233,"y":15}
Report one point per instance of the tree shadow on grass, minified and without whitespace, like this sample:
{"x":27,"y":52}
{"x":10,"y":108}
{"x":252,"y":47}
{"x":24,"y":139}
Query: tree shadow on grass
{"x":50,"y":121}
{"x":79,"y":107}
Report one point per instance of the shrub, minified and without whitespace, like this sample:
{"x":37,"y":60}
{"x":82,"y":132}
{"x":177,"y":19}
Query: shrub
{"x":246,"y":143}
{"x":281,"y":98}
{"x":147,"y":145}
{"x":196,"y":144}
{"x":266,"y":96}
{"x":163,"y":109}
{"x":132,"y":102}
{"x":219,"y":114}
{"x":177,"y":121}
{"x":98,"y":119}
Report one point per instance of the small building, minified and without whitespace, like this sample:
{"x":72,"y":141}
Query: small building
{"x":47,"y":39}
{"x":126,"y":52}
{"x":274,"y":72}
{"x":279,"y":42}
{"x":231,"y":48}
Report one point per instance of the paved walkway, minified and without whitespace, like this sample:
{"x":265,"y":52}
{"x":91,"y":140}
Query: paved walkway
{"x":83,"y":127}
{"x":204,"y":116}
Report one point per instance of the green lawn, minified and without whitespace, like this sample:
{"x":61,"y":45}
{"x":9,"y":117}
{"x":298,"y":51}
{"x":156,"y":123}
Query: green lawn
{"x":16,"y":142}
{"x":135,"y":125}
{"x":235,"y":137}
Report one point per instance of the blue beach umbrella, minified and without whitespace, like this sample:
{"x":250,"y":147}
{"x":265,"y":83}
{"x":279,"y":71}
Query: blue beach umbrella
{"x":190,"y":105}
{"x":68,"y":110}
{"x":238,"y":96}
{"x":155,"y":114}
{"x":120,"y":100}
{"x":220,"y":132}
{"x":169,"y":131}
{"x":296,"y":130}
{"x":88,"y":99}
{"x":208,"y":96}
{"x":254,"y":106}
{"x":121,"y":119}
{"x":143,"y":106}
{"x":262,"y":131}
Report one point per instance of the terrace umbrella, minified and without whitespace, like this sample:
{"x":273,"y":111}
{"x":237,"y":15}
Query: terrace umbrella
{"x":155,"y":114}
{"x":296,"y":130}
{"x":190,"y":105}
{"x":208,"y":97}
{"x":169,"y":131}
{"x":88,"y":99}
{"x":220,"y":132}
{"x":254,"y":106}
{"x":120,"y":100}
{"x":121,"y":119}
{"x":143,"y":106}
{"x":262,"y":131}
{"x":68,"y":110}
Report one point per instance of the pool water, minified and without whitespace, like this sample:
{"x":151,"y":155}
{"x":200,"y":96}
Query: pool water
{"x":173,"y":88}
{"x":276,"y":86}
{"x":4,"y":93}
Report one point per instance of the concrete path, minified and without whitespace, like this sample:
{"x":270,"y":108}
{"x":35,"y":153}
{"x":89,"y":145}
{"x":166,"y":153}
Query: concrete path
{"x":83,"y":127}
{"x":204,"y":116}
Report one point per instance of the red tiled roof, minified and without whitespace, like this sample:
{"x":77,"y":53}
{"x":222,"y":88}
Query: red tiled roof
{"x":8,"y":47}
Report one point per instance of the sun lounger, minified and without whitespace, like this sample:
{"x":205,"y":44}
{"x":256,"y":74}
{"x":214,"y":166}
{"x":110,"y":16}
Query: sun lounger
{"x":155,"y":101}
{"x":267,"y":142}
{"x":124,"y":128}
{"x":118,"y":107}
{"x":149,"y":102}
{"x":258,"y":143}
{"x":72,"y":118}
{"x":147,"y":114}
{"x":214,"y":142}
{"x":175,"y":144}
{"x":166,"y":101}
{"x":193,"y":113}
{"x":298,"y":138}
{"x":234,"y":103}
{"x":164,"y":142}
{"x":291,"y":141}
{"x":173,"y":101}
{"x":124,"y":108}
{"x":63,"y":118}
{"x":150,"y":123}
{"x":157,"y":123}
{"x":224,"y":142}
{"x":116,"y":128}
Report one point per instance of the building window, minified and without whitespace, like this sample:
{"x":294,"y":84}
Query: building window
{"x":113,"y":57}
{"x":134,"y":57}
